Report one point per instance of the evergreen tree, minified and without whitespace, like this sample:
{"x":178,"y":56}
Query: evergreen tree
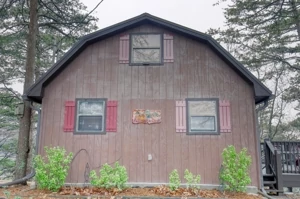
{"x":35,"y":34}
{"x":265,"y":37}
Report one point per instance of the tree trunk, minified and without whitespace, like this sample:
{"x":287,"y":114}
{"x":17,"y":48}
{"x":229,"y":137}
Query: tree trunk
{"x":25,"y":121}
{"x":296,"y":17}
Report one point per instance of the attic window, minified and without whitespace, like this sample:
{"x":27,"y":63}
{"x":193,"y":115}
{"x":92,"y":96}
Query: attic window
{"x":146,"y":49}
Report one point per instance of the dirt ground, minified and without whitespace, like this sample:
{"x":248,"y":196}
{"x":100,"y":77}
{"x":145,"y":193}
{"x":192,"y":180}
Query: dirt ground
{"x":89,"y":192}
{"x":25,"y":192}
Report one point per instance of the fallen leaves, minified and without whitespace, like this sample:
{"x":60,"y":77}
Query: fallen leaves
{"x":159,"y":191}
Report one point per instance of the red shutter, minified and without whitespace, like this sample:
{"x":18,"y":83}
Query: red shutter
{"x":180,"y":116}
{"x":111,"y":116}
{"x":168,"y":48}
{"x":225,"y":120}
{"x":124,"y":49}
{"x":69,"y":116}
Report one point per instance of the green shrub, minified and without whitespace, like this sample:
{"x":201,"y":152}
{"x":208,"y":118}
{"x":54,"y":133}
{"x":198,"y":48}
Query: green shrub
{"x":110,"y":177}
{"x":51,"y":174}
{"x":192,"y":180}
{"x":174,"y":180}
{"x":235,"y":172}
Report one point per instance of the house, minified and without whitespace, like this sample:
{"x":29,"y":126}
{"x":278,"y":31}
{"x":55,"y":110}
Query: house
{"x":153,"y":95}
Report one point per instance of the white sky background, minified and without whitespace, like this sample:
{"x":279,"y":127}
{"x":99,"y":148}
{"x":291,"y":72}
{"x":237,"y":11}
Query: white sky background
{"x":196,"y":14}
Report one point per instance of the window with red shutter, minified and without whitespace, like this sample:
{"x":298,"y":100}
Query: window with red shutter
{"x":69,"y":116}
{"x":202,"y":116}
{"x":90,"y":116}
{"x":111,"y":116}
{"x":146,"y":49}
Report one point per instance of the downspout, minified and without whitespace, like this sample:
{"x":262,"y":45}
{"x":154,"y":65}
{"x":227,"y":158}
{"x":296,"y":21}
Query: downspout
{"x":32,"y":173}
{"x":261,"y":183}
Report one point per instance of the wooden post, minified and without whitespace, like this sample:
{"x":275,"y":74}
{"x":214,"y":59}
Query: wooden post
{"x":267,"y":157}
{"x":278,"y":170}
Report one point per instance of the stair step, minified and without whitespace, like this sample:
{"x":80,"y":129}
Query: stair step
{"x":268,"y":175}
{"x":273,"y":190}
{"x":269,"y":182}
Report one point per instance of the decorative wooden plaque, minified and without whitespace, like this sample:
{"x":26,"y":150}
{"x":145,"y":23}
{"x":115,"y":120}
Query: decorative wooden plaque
{"x":145,"y":116}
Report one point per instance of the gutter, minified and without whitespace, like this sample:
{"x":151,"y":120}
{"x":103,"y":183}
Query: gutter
{"x":32,"y":173}
{"x":261,"y":183}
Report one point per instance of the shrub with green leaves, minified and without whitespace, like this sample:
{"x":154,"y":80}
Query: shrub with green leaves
{"x":235,"y":172}
{"x":110,"y":177}
{"x":52,"y":172}
{"x":174,"y":180}
{"x":192,"y":180}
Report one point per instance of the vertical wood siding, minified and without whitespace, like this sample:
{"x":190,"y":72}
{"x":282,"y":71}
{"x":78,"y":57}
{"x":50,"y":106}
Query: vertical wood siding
{"x":196,"y":72}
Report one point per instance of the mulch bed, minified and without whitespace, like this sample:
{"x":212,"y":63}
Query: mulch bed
{"x":92,"y":192}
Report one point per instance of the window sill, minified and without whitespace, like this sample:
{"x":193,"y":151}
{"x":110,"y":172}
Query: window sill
{"x":146,"y":64}
{"x":89,"y":133}
{"x":203,"y":133}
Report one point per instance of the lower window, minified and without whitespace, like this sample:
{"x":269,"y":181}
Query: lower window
{"x":202,"y":116}
{"x":90,"y":115}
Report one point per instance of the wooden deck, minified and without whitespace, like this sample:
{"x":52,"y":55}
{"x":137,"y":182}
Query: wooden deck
{"x":281,"y":164}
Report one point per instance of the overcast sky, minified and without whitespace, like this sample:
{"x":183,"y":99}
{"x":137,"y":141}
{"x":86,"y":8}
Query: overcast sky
{"x":196,"y":14}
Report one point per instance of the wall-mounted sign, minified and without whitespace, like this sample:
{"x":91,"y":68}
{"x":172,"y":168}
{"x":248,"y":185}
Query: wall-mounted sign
{"x":145,"y":116}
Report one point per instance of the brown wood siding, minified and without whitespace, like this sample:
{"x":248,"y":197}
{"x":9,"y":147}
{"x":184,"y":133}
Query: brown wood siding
{"x":197,"y":72}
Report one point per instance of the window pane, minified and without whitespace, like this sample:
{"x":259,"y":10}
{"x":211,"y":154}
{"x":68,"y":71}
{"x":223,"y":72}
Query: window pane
{"x":146,"y":41}
{"x":90,"y":123}
{"x":90,"y":107}
{"x":206,"y":108}
{"x":203,"y":123}
{"x":202,"y":116}
{"x":146,"y":55}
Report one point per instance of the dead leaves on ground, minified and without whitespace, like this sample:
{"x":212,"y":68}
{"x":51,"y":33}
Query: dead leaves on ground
{"x":159,"y":191}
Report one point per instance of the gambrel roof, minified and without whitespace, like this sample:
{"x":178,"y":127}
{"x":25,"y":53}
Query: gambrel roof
{"x":35,"y":92}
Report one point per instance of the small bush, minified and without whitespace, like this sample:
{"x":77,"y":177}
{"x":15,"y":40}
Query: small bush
{"x":192,"y":180}
{"x":235,"y":171}
{"x":110,"y":177}
{"x":174,"y":180}
{"x":51,"y":174}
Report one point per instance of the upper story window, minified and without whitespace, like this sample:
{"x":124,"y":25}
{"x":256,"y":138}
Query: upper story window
{"x":90,"y":115}
{"x":146,"y":49}
{"x":202,"y":116}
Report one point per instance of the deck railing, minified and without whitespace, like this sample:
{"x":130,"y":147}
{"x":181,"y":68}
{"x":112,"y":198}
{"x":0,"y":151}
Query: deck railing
{"x":290,"y":155}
